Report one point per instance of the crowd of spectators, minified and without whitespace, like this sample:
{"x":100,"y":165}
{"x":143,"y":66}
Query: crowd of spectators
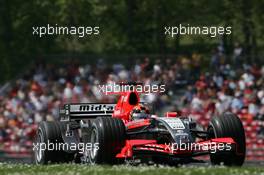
{"x":230,"y":85}
{"x":239,"y":89}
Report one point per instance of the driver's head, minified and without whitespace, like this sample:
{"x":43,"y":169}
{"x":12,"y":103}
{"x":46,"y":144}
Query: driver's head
{"x":139,"y":112}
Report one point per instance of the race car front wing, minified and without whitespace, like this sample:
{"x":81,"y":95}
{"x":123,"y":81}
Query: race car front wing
{"x":135,"y":147}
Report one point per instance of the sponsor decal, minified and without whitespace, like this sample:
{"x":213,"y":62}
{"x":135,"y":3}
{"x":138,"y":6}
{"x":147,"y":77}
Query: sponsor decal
{"x":174,"y":123}
{"x":96,"y":107}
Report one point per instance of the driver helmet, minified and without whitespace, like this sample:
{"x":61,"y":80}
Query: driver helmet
{"x":139,"y":112}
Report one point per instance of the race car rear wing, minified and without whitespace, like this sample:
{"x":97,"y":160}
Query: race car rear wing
{"x":80,"y":111}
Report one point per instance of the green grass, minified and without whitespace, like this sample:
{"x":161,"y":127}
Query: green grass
{"x":125,"y":170}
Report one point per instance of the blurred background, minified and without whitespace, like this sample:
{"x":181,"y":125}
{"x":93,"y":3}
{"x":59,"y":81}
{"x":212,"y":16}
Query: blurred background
{"x":204,"y":76}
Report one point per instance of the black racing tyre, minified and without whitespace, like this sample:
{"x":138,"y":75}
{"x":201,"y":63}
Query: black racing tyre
{"x":228,"y":125}
{"x":107,"y":137}
{"x":48,"y":137}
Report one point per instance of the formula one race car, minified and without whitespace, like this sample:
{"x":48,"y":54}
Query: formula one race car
{"x":127,"y":132}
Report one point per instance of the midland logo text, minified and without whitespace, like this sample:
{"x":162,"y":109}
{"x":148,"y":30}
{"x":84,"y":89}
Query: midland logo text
{"x":97,"y":107}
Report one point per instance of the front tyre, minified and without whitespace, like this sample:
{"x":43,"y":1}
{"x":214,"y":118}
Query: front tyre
{"x":107,"y":137}
{"x":228,"y":125}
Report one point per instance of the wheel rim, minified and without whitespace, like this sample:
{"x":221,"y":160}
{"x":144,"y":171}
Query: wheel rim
{"x":39,"y":152}
{"x":93,"y":141}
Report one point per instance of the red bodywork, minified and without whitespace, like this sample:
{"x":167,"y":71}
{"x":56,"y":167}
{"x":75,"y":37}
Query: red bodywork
{"x":125,"y":104}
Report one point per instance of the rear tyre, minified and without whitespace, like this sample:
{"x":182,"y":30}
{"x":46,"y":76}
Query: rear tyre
{"x":107,"y":138}
{"x":228,"y":125}
{"x":49,"y":134}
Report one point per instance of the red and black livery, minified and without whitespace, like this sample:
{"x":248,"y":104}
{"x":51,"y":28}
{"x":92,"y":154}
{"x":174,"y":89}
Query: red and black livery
{"x":156,"y":139}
